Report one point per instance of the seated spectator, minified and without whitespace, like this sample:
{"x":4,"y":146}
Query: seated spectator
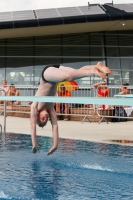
{"x":119,"y":110}
{"x":102,"y":91}
{"x":5,"y":88}
{"x":13,"y":92}
{"x":124,"y":89}
{"x":65,"y":106}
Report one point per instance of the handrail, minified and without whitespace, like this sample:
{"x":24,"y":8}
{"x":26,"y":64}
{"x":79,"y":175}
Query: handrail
{"x":4,"y":111}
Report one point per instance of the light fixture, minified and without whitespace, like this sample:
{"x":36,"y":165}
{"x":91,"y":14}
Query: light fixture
{"x":123,"y":23}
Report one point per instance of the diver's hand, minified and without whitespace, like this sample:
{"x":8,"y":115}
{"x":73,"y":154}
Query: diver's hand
{"x":35,"y":149}
{"x":51,"y":150}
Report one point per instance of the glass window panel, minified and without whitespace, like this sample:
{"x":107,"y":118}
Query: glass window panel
{"x":20,"y":47}
{"x":76,"y":65}
{"x":131,"y":77}
{"x":75,"y":46}
{"x":96,"y":49}
{"x":115,"y":79}
{"x":95,"y":79}
{"x":126,"y":63}
{"x":20,"y":41}
{"x":126,"y":32}
{"x":111,"y":39}
{"x":75,"y":39}
{"x":19,"y":61}
{"x":126,"y":51}
{"x":2,"y":69}
{"x":131,"y":71}
{"x":96,"y":39}
{"x":126,"y":45}
{"x":2,"y":60}
{"x":2,"y":74}
{"x":74,"y":50}
{"x":125,"y":76}
{"x":48,"y":46}
{"x":50,"y":40}
{"x":20,"y":75}
{"x":16,"y":62}
{"x":113,"y":63}
{"x":111,"y":45}
{"x":125,"y":39}
{"x":94,"y":61}
{"x":2,"y":48}
{"x":112,"y":51}
{"x":40,"y":63}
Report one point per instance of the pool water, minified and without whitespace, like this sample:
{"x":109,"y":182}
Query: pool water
{"x":78,"y":170}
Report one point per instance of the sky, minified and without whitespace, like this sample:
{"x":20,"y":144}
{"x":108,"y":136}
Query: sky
{"x":18,"y":5}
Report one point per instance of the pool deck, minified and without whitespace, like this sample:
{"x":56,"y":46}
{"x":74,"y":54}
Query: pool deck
{"x":75,"y":130}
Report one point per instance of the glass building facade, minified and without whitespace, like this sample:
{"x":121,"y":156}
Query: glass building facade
{"x":23,"y":59}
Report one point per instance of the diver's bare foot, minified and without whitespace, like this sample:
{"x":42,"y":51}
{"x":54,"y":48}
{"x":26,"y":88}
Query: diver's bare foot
{"x":103,"y":68}
{"x":97,"y":72}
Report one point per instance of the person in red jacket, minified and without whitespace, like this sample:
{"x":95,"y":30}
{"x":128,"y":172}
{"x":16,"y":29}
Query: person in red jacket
{"x":102,"y":91}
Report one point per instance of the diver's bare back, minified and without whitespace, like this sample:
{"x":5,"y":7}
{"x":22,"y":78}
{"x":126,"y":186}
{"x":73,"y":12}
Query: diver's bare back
{"x":45,"y":89}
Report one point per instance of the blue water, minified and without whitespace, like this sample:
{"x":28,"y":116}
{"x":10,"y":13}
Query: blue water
{"x":78,"y":170}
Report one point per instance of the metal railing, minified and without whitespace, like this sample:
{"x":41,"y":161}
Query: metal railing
{"x":78,"y":110}
{"x":84,"y":111}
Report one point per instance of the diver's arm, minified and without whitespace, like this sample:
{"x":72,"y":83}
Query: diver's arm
{"x":54,"y":124}
{"x":33,"y":120}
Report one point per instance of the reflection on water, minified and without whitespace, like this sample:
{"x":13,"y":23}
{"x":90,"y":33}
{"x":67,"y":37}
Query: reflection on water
{"x":44,"y":183}
{"x":77,"y":170}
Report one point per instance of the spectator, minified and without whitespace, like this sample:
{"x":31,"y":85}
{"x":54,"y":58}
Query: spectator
{"x":119,"y":110}
{"x":13,"y":92}
{"x":5,"y":88}
{"x":124,"y":89}
{"x":59,"y":106}
{"x":102,"y":91}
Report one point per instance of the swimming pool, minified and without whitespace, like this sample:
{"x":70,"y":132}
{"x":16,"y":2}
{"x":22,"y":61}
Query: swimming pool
{"x":78,"y":170}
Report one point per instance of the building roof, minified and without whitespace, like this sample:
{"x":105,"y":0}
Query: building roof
{"x":66,"y":16}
